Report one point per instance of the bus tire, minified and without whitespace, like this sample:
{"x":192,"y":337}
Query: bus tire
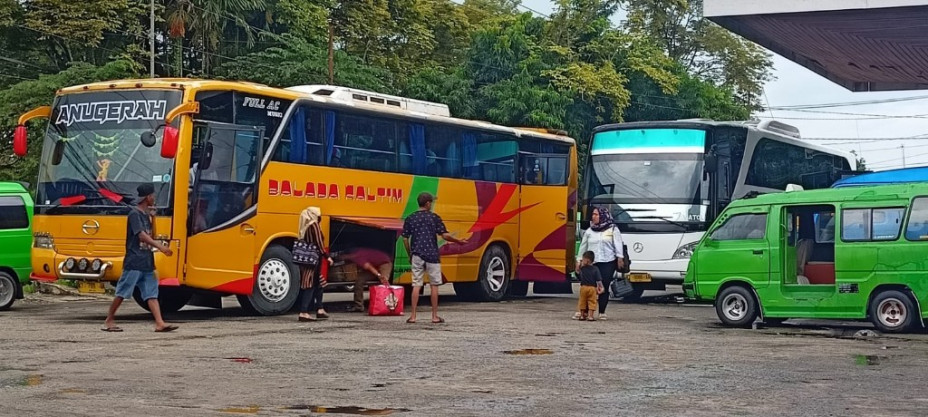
{"x":494,"y":278}
{"x":277,"y":284}
{"x":9,"y":288}
{"x":892,"y":311}
{"x":518,"y":289}
{"x":736,"y":306}
{"x":170,"y":299}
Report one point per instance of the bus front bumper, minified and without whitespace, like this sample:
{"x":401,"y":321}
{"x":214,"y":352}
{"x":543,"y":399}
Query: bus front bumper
{"x":659,"y":272}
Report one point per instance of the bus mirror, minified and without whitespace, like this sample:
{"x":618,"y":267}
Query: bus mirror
{"x":148,"y":138}
{"x":19,"y":141}
{"x":207,"y":157}
{"x":58,"y":152}
{"x":169,"y":142}
{"x":712,"y":163}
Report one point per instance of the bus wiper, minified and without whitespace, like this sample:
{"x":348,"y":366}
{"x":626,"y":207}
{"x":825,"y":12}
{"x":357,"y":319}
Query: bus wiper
{"x":673,"y":222}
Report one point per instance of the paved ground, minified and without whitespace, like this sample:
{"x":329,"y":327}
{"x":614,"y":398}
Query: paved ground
{"x":649,"y":359}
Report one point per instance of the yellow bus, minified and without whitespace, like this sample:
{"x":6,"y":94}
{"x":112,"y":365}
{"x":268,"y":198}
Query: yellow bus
{"x":234,"y":163}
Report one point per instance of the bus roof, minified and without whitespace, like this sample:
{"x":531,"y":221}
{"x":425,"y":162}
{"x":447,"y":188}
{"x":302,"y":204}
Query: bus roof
{"x":783,"y":132}
{"x":835,"y":195}
{"x":297,"y":93}
{"x":893,"y":176}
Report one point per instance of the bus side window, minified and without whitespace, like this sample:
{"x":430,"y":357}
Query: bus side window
{"x":917,"y":228}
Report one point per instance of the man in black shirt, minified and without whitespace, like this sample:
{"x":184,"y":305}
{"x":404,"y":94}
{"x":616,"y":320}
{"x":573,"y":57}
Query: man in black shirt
{"x":138,"y":267}
{"x":420,"y":231}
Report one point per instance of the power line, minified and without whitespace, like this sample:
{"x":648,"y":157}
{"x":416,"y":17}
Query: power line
{"x":852,"y":103}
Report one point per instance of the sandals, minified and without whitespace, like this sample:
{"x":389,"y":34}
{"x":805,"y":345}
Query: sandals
{"x":305,"y":319}
{"x":113,"y":329}
{"x":439,"y":321}
{"x":410,"y":321}
{"x":322,"y":316}
{"x":166,"y":329}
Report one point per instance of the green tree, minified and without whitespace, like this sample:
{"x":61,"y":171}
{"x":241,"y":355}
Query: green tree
{"x":207,"y":20}
{"x":704,"y":49}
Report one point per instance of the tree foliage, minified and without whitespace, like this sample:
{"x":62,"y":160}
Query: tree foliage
{"x":487,"y":59}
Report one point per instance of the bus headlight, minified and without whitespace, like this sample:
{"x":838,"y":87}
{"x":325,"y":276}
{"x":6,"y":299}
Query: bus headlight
{"x":42,"y":240}
{"x":69,"y":264}
{"x":685,"y":251}
{"x":96,"y":265}
{"x":83,"y":264}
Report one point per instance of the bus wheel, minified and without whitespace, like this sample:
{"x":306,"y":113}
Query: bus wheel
{"x":518,"y":288}
{"x":892,"y":311}
{"x":9,"y":286}
{"x":494,"y":275}
{"x":170,"y":299}
{"x":277,"y":284}
{"x":736,"y":307}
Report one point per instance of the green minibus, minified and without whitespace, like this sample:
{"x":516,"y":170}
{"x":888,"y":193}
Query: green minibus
{"x":846,"y":253}
{"x":15,"y":241}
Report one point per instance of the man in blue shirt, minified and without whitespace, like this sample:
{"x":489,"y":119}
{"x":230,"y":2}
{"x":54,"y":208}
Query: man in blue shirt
{"x":420,"y":235}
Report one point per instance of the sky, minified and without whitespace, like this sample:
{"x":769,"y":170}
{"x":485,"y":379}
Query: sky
{"x":873,"y":130}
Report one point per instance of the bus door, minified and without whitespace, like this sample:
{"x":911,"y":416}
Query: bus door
{"x":221,"y":242}
{"x":543,"y":224}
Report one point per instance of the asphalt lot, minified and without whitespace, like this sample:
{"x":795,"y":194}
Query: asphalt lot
{"x":656,"y":359}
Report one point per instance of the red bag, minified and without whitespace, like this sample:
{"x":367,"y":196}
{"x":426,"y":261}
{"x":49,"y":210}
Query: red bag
{"x":386,"y":300}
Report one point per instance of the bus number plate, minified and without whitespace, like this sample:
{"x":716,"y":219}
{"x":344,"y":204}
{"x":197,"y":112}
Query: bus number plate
{"x":639,"y":277}
{"x":90,"y":287}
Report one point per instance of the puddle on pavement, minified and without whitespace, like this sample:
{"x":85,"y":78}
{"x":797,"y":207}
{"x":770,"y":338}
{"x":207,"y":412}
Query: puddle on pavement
{"x":358,"y":411}
{"x":251,"y":409}
{"x":32,"y":380}
{"x":529,"y":352}
{"x":868,"y":360}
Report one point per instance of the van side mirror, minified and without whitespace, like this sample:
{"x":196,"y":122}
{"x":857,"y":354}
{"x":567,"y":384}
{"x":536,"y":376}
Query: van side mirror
{"x":711,"y":163}
{"x":19,"y":141}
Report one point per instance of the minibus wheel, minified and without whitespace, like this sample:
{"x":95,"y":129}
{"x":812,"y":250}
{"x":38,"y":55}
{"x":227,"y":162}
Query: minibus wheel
{"x":9,"y":287}
{"x":892,"y":311}
{"x":494,"y":275}
{"x":736,"y":306}
{"x":277,"y":284}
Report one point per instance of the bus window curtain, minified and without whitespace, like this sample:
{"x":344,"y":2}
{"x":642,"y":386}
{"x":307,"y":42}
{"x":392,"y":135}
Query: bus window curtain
{"x":298,"y":137}
{"x":469,"y":151}
{"x":417,"y":145}
{"x":329,"y":136}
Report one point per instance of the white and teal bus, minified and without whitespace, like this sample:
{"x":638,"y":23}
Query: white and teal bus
{"x":666,"y":182}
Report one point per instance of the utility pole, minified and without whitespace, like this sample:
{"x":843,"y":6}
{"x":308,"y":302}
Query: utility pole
{"x":903,"y":154}
{"x":331,"y":54}
{"x":151,"y":39}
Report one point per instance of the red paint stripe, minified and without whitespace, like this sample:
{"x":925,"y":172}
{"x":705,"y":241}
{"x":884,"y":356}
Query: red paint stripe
{"x":43,"y":278}
{"x":169,"y":282}
{"x":241,"y":287}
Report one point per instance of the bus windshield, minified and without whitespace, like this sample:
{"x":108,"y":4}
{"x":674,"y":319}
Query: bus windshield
{"x":647,"y":166}
{"x":92,"y":154}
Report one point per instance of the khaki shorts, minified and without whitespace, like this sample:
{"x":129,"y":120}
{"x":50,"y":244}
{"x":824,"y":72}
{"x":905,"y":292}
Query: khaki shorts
{"x":420,"y":268}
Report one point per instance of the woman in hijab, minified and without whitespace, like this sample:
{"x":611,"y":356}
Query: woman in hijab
{"x":604,"y":239}
{"x":312,"y":282}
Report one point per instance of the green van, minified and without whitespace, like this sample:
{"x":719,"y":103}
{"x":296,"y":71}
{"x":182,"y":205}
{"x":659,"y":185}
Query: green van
{"x":846,"y":253}
{"x":15,"y":241}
